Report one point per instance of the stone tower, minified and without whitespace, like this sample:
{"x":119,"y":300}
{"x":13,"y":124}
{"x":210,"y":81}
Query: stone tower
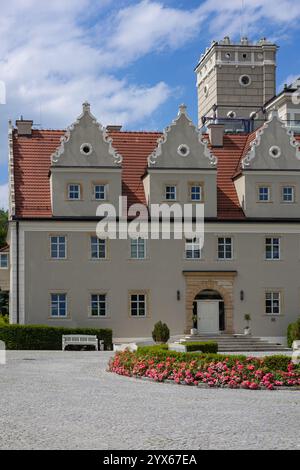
{"x":237,"y":77}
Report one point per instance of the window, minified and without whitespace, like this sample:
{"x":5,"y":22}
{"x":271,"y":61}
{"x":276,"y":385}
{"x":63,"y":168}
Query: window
{"x":138,"y":305}
{"x":86,"y":149}
{"x":170,"y":193}
{"x":288,"y":194}
{"x":138,"y":248}
{"x":58,"y":305}
{"x":192,"y":249}
{"x":196,"y":192}
{"x":3,"y":260}
{"x":272,"y":248}
{"x":58,"y":247}
{"x":100,"y":192}
{"x":272,"y":303}
{"x":98,"y":305}
{"x":74,"y":191}
{"x":264,"y":194}
{"x":245,"y":80}
{"x":224,"y":248}
{"x":98,"y":248}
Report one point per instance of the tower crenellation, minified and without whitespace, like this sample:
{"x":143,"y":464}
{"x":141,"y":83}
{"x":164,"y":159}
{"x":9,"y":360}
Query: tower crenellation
{"x":236,"y":78}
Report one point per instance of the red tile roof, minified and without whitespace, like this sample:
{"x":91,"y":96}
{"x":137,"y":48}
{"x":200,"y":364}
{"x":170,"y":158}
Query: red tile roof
{"x":32,"y":164}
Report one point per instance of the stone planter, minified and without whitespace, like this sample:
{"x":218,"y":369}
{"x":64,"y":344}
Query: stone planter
{"x":194,"y":331}
{"x":247,"y":331}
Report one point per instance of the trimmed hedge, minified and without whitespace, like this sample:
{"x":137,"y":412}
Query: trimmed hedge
{"x":293,"y":332}
{"x":160,"y":352}
{"x":204,"y":347}
{"x":40,"y":337}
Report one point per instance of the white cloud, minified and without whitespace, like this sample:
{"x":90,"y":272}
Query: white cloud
{"x":55,"y":55}
{"x":4,"y":196}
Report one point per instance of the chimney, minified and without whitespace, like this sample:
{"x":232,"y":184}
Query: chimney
{"x":24,"y":126}
{"x":216,"y":134}
{"x":113,"y":128}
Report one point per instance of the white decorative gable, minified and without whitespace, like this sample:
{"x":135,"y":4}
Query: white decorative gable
{"x":274,"y":148}
{"x":182,"y":146}
{"x":87,"y":144}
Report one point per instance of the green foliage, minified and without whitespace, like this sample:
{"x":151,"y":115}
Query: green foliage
{"x":161,"y":332}
{"x":3,"y":226}
{"x":40,"y":337}
{"x":154,"y":348}
{"x":293,"y":332}
{"x":4,"y":320}
{"x":205,"y":347}
{"x":4,"y":303}
{"x":278,"y":362}
{"x":162,"y":353}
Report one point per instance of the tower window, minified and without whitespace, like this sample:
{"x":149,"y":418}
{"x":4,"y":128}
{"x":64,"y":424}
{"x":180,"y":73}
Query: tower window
{"x":245,"y":80}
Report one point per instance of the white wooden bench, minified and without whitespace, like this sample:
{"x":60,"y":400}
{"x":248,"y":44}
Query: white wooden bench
{"x":79,"y":340}
{"x":296,"y":352}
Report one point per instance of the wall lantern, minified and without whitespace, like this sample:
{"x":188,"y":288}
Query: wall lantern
{"x":178,"y":295}
{"x":242,"y":295}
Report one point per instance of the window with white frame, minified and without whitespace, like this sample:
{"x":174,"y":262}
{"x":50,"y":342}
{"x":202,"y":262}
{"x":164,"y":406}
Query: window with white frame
{"x":170,"y":193}
{"x":138,"y":248}
{"x":192,"y":248}
{"x":58,"y":247}
{"x":264,"y":194}
{"x":288,"y":194}
{"x":225,"y":248}
{"x":272,"y":248}
{"x":272,"y":303}
{"x":98,"y":305}
{"x":74,"y":191}
{"x":196,"y":192}
{"x":138,"y":305}
{"x":98,"y":248}
{"x":100,"y":192}
{"x":3,"y":260}
{"x":58,"y":305}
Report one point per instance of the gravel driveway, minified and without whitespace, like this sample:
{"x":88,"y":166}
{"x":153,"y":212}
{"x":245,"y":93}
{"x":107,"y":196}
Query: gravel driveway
{"x":56,"y":400}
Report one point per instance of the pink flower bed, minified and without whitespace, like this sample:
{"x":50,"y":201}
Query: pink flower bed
{"x":251,"y":373}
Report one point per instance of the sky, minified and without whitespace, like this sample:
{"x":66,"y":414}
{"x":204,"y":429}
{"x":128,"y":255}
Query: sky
{"x":132,"y":60}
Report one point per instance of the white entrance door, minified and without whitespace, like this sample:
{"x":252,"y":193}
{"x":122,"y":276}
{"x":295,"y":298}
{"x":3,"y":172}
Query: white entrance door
{"x":208,"y":316}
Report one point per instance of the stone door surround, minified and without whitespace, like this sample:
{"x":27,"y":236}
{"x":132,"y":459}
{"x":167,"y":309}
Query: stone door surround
{"x":220,"y":281}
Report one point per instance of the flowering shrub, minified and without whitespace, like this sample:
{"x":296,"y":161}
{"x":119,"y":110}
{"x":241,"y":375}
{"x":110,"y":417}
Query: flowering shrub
{"x":231,"y":372}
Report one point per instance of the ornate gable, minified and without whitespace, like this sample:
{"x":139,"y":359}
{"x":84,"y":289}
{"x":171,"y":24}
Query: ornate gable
{"x":86,"y":143}
{"x":274,"y":148}
{"x":182,"y":146}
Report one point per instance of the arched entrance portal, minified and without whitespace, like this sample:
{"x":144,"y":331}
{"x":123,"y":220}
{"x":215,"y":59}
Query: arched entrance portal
{"x":209,"y":308}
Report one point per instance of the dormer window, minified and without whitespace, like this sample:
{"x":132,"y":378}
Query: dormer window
{"x":74,"y":192}
{"x":264,"y":194}
{"x":288,"y":194}
{"x":170,"y":193}
{"x":100,"y":191}
{"x":196,"y":192}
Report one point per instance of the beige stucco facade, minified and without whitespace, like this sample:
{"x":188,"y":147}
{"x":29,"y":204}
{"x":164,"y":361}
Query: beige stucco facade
{"x":163,"y":274}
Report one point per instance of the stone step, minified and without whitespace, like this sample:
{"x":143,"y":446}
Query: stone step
{"x":243,"y":343}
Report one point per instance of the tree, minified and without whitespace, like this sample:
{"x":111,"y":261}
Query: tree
{"x":3,"y":226}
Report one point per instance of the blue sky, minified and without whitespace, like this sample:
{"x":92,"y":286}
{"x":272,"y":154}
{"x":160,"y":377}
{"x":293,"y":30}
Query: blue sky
{"x":133,"y":60}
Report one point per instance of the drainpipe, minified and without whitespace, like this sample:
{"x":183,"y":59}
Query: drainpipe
{"x":18,"y":296}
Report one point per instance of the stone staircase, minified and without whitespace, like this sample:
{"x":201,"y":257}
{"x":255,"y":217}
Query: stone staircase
{"x":238,"y":343}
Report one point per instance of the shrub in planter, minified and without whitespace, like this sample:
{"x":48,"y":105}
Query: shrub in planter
{"x":39,"y":337}
{"x":293,"y":332}
{"x":161,"y":332}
